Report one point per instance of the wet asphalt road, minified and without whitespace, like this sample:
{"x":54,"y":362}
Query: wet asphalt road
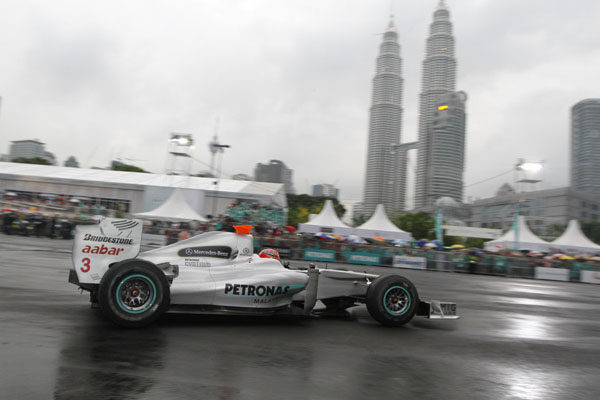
{"x":517,"y":339}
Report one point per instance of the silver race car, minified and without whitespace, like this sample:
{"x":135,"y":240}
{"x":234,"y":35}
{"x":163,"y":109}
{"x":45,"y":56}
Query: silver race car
{"x":218,"y":272}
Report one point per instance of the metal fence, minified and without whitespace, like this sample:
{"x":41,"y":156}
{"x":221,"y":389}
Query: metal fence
{"x":454,"y":261}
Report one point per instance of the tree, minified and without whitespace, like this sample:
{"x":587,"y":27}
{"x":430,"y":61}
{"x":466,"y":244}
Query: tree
{"x":358,"y":220}
{"x":420,"y":225}
{"x":34,"y":160}
{"x":555,"y":230}
{"x":475,"y":242}
{"x":118,"y":166}
{"x":592,"y":230}
{"x":300,"y":206}
{"x":450,"y":240}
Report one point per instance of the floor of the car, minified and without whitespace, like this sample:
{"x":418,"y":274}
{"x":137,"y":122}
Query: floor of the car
{"x":220,"y":310}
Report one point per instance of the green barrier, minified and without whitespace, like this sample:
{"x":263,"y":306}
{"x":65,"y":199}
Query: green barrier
{"x":500,"y":264}
{"x":364,"y":258}
{"x":319,"y":255}
{"x":576,"y":269}
{"x":459,"y":260}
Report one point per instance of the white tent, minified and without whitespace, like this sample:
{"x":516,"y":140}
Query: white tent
{"x":573,"y":240}
{"x":527,"y":240}
{"x":327,"y":221}
{"x":175,"y":209}
{"x":380,"y":225}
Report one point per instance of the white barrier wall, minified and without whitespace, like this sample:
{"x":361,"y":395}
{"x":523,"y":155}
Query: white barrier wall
{"x":410,"y":262}
{"x":149,"y":239}
{"x":590,"y":277}
{"x":552,"y":274}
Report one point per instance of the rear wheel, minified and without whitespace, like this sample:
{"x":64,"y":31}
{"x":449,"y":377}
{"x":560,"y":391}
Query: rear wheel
{"x":133,"y":293}
{"x":392,"y":300}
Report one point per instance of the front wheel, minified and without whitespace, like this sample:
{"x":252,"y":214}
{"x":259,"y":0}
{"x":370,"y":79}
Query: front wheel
{"x":392,"y":300}
{"x":133,"y":293}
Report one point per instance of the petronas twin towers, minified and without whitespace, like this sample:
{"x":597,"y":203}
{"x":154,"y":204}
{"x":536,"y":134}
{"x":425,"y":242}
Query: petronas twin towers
{"x":441,"y":130}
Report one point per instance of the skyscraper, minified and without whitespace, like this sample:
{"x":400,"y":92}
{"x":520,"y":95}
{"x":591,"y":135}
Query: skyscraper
{"x":382,"y":185}
{"x":439,"y":77}
{"x":275,"y":171}
{"x":448,"y":147}
{"x":585,"y":146}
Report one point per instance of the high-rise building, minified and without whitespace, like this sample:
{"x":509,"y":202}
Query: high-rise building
{"x":585,"y":146}
{"x":275,"y":171}
{"x":382,"y":183}
{"x":30,"y":149}
{"x":325,"y":190}
{"x":439,"y":77}
{"x":445,"y":175}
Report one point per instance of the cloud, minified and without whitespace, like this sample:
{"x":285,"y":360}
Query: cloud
{"x":287,"y":80}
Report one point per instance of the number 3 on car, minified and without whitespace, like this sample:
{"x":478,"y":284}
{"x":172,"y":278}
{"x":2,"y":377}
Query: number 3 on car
{"x":86,"y":265}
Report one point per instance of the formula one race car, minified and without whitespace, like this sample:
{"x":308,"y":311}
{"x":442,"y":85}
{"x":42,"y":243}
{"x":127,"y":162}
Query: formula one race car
{"x":218,"y":272}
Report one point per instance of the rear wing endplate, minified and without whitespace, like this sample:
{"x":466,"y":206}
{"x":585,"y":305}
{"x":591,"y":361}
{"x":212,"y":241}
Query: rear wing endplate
{"x":98,"y":246}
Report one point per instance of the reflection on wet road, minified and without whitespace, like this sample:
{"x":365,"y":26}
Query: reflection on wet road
{"x":517,"y":339}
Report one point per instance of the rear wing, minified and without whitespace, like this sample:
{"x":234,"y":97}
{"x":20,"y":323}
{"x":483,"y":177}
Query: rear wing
{"x":99,"y":245}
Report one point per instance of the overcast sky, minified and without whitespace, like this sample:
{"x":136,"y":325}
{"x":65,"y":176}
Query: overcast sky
{"x":288,"y":80}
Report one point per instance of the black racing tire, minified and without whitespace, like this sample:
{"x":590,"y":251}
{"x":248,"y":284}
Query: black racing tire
{"x":133,"y":293}
{"x":392,"y":300}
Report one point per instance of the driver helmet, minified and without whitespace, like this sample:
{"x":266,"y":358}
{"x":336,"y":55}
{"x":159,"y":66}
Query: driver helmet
{"x":269,"y":253}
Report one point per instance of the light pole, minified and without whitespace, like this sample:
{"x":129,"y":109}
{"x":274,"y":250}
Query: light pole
{"x":218,"y":148}
{"x":181,"y":147}
{"x":526,"y":173}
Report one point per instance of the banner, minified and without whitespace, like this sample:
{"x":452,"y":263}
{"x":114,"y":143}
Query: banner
{"x":439,"y":232}
{"x":410,"y":262}
{"x":552,"y":274}
{"x":364,"y":258}
{"x":319,"y":255}
{"x":590,"y":277}
{"x":468,"y":231}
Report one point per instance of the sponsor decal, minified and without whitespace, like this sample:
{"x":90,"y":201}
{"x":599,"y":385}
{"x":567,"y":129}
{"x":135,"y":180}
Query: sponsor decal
{"x":263,"y":293}
{"x":110,"y":251}
{"x":245,"y":251}
{"x":252,"y":290}
{"x":107,"y":239}
{"x":206,"y":251}
{"x":196,"y":262}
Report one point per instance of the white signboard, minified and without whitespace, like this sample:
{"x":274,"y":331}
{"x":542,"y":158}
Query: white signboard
{"x":410,"y":262}
{"x":469,"y":231}
{"x":590,"y":277}
{"x":552,"y":274}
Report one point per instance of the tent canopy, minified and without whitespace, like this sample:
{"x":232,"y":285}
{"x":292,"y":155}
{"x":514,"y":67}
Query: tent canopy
{"x":527,"y":240}
{"x":326,"y":221}
{"x":175,"y":209}
{"x":573,"y":240}
{"x":380,"y":225}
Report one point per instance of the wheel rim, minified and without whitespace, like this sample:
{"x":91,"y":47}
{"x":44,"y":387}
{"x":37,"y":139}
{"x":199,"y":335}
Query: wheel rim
{"x":396,"y":300}
{"x":136,"y":294}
